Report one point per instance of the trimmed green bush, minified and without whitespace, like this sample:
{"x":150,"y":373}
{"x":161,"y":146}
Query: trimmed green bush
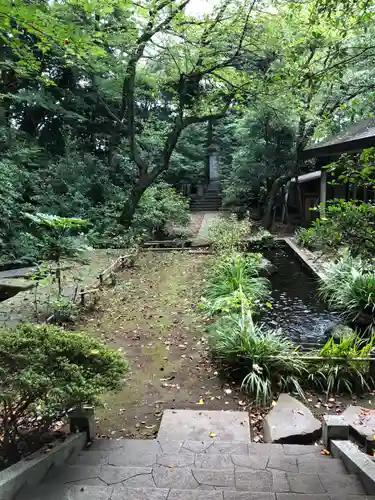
{"x":45,"y":371}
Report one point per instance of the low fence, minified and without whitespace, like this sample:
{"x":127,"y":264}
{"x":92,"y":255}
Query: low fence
{"x":106,"y":275}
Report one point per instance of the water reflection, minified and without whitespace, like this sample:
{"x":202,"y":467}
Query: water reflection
{"x":296,"y":306}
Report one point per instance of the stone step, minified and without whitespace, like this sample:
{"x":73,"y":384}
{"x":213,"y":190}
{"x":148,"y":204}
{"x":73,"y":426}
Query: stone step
{"x":207,"y":485}
{"x":309,"y":464}
{"x":119,"y":492}
{"x":183,"y":475}
{"x":152,"y":447}
{"x":181,"y":425}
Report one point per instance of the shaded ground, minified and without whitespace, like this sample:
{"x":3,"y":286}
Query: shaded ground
{"x":150,"y":314}
{"x":21,"y":307}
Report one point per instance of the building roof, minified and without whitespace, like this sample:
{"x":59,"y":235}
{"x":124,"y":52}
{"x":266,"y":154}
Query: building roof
{"x":307,"y":177}
{"x":354,"y":138}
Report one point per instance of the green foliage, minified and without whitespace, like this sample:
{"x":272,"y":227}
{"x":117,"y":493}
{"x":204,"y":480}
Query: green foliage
{"x":262,"y":146}
{"x":266,"y":360}
{"x":159,"y":209}
{"x":45,"y":371}
{"x":232,"y":279}
{"x":63,"y":310}
{"x":343,"y":224}
{"x":358,"y":169}
{"x":343,"y":375}
{"x":228,"y":234}
{"x":349,"y":286}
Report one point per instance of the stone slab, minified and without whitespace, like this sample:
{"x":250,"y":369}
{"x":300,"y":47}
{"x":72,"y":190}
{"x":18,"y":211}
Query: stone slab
{"x":290,"y":421}
{"x":241,"y":495}
{"x":31,"y":471}
{"x":21,"y":272}
{"x":181,"y":425}
{"x":69,"y":492}
{"x":195,"y":495}
{"x":356,"y":462}
{"x":361,"y":420}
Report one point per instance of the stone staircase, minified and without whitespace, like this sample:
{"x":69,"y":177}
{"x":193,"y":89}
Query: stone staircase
{"x":204,"y":468}
{"x":210,"y":201}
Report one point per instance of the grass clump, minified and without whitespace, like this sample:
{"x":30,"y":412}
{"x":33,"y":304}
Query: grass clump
{"x":265,"y":360}
{"x":232,"y":279}
{"x":228,"y":234}
{"x":349,"y":286}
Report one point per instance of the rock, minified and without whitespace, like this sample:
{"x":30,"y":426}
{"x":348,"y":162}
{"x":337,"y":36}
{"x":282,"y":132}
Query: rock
{"x":361,"y":420}
{"x":291,"y":422}
{"x":337,"y":330}
{"x":21,"y":272}
{"x":10,"y":287}
{"x":267,"y":268}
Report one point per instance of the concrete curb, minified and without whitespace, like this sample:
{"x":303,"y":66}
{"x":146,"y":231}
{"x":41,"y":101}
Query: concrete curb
{"x":356,"y":462}
{"x":308,"y":263}
{"x":31,"y":470}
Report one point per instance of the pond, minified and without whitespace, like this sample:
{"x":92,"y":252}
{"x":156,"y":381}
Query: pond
{"x":296,"y":306}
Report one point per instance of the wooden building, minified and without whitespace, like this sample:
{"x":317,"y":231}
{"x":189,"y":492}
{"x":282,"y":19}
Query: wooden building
{"x":309,"y":190}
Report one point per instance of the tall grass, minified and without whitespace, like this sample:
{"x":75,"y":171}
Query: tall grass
{"x":265,"y":360}
{"x":349,"y":286}
{"x":231,"y":278}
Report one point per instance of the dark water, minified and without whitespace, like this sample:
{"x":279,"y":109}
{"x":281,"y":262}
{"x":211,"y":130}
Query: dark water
{"x":296,"y":306}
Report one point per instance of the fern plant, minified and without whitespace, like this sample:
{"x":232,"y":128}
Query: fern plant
{"x":340,"y":370}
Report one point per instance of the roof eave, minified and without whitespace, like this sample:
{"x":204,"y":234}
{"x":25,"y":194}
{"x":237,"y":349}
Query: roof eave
{"x":353,"y":146}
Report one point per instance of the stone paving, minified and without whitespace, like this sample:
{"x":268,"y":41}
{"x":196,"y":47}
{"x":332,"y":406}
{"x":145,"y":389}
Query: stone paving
{"x":203,"y":236}
{"x":185,"y":464}
{"x":204,"y":470}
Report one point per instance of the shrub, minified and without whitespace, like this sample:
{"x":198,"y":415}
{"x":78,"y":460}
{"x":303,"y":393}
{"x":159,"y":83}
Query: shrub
{"x":159,"y":208}
{"x":265,"y":360}
{"x":349,"y":286}
{"x":228,"y":234}
{"x":344,"y":223}
{"x":232,"y":276}
{"x":44,"y":371}
{"x":343,"y":375}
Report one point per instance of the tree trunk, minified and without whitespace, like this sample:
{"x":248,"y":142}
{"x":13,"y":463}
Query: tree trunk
{"x":130,"y":206}
{"x":280,"y":181}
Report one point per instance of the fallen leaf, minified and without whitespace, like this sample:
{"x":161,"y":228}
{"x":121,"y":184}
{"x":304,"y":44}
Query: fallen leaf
{"x":212,"y":435}
{"x":274,"y":403}
{"x":201,"y":402}
{"x":228,"y":391}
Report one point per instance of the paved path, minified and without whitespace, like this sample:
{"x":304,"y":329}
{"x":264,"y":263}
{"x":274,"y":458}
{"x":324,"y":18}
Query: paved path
{"x":203,"y":234}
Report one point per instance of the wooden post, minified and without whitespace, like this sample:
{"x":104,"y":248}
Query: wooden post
{"x":323,"y":191}
{"x":82,"y":297}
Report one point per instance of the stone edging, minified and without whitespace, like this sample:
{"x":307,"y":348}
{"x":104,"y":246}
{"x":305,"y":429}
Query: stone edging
{"x":356,"y":462}
{"x":306,"y":261}
{"x":336,"y":439}
{"x":31,"y":470}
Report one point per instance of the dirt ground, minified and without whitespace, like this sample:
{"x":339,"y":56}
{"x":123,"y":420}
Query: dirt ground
{"x":151,"y":315}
